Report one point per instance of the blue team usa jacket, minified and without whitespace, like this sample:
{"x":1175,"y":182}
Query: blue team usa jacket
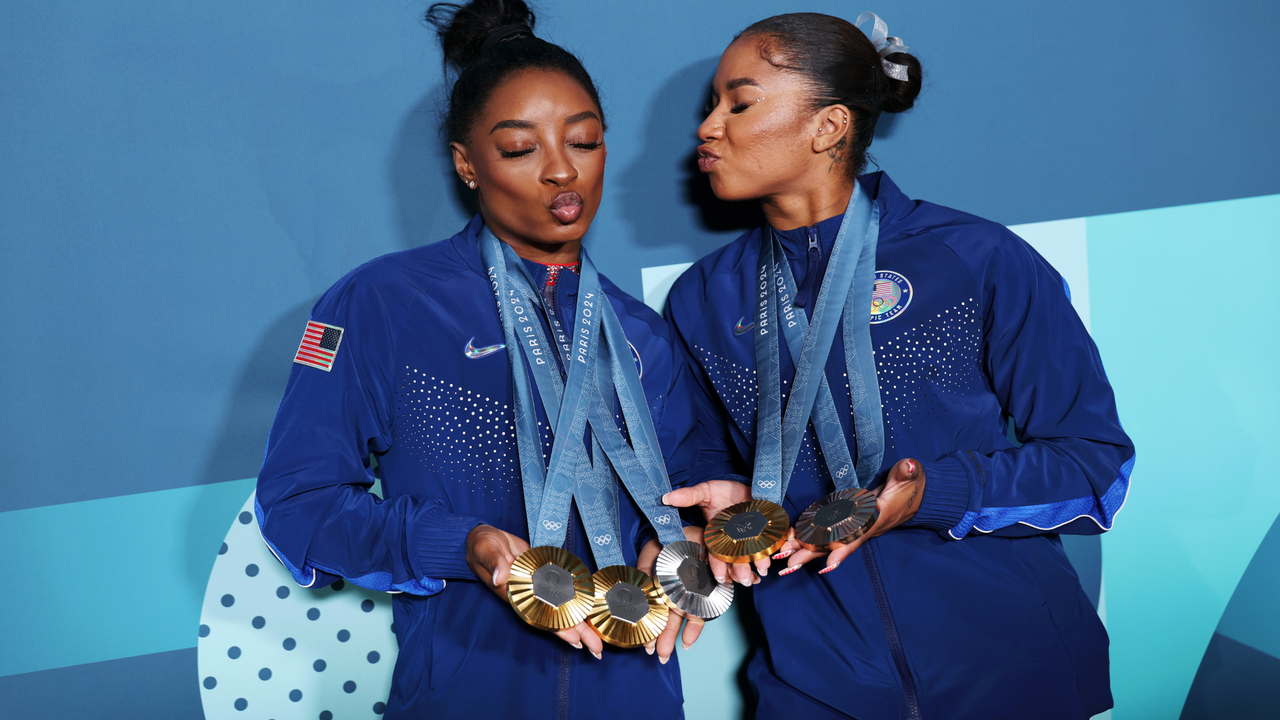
{"x":973,"y":609}
{"x":422,"y":381}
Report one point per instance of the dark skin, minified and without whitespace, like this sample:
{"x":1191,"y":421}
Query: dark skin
{"x":763,"y":140}
{"x":539,"y":139}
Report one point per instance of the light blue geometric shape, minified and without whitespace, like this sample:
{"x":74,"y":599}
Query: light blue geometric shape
{"x":1186,"y":309}
{"x":110,"y":578}
{"x":1253,"y":615}
{"x":657,"y":282}
{"x":1064,"y":243}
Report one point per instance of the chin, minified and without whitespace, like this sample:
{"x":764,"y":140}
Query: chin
{"x":728,"y":190}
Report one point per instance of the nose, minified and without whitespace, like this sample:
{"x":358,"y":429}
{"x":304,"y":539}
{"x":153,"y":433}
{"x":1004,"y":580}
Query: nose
{"x":559,"y":169}
{"x":712,"y":128}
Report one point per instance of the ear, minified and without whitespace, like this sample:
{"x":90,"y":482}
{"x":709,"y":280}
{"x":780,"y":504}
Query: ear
{"x":462,"y":162}
{"x":834,"y":127}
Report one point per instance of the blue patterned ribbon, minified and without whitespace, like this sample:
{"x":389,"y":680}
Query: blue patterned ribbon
{"x":570,"y":474}
{"x":850,"y":276}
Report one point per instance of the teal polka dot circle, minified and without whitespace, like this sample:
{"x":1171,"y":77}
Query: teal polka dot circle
{"x":283,"y":650}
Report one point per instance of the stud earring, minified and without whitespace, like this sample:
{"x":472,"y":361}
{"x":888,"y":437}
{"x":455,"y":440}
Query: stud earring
{"x":471,"y":184}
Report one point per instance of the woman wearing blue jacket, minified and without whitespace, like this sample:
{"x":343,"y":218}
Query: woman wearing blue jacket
{"x":959,"y":601}
{"x":409,"y":360}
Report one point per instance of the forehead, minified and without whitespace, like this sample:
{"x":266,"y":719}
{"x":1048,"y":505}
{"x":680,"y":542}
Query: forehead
{"x":538,"y":96}
{"x":742,"y":60}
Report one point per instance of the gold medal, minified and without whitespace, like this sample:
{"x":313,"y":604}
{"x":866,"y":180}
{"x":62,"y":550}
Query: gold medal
{"x":629,"y":610}
{"x":837,"y":520}
{"x":550,"y":588}
{"x":747,"y":531}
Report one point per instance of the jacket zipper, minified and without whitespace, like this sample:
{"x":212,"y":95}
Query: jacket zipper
{"x":812,"y":262}
{"x":891,"y":630}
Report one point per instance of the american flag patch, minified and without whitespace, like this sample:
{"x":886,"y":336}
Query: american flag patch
{"x":883,"y":289}
{"x":319,"y":345}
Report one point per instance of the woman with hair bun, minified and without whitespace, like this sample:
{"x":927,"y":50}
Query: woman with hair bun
{"x":859,"y":361}
{"x":460,"y":367}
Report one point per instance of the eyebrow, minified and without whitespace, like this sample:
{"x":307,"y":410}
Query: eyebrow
{"x":514,"y":124}
{"x":740,"y":82}
{"x":526,"y":125}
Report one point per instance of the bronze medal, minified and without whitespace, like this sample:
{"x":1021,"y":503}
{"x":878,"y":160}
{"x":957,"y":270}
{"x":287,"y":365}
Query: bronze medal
{"x":837,"y":520}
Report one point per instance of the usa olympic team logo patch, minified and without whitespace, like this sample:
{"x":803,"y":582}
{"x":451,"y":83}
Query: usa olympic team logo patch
{"x":892,"y":295}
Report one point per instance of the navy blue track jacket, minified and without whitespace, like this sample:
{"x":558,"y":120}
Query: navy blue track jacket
{"x":421,"y":380}
{"x":972,"y":609}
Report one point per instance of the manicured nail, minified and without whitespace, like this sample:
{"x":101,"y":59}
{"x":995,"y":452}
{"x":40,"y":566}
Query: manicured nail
{"x":720,"y":579}
{"x":578,"y":645}
{"x":789,"y":570}
{"x":762,"y":572}
{"x":663,"y":660}
{"x":911,"y":468}
{"x":664,"y":498}
{"x":495,"y":578}
{"x":686,"y":645}
{"x":598,"y":655}
{"x":784,"y":555}
{"x":648,"y":649}
{"x":828,"y":569}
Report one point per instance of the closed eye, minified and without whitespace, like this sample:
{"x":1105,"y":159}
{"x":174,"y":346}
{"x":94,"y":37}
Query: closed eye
{"x":586,"y":146}
{"x":514,"y":153}
{"x":739,"y":107}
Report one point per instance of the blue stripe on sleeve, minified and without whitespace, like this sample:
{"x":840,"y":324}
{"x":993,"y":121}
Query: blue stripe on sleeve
{"x":1052,"y":515}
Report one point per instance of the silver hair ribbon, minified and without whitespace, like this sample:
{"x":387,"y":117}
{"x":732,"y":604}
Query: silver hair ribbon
{"x":885,"y":45}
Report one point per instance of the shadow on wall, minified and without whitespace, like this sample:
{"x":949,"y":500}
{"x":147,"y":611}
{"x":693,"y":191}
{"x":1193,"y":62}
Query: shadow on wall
{"x":664,"y":196}
{"x":429,"y":196}
{"x":237,"y":453}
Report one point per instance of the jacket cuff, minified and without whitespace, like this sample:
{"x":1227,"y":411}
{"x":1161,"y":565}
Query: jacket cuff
{"x":441,"y":539}
{"x":946,"y":496}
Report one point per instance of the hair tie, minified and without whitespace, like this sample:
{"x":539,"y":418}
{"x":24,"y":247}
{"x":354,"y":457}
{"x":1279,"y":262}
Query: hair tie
{"x":885,"y":45}
{"x":502,"y":33}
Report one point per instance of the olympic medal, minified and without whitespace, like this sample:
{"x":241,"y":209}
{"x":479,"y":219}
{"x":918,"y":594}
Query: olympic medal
{"x":687,"y":583}
{"x":747,"y":531}
{"x":628,"y":610}
{"x":550,"y":588}
{"x":837,"y":520}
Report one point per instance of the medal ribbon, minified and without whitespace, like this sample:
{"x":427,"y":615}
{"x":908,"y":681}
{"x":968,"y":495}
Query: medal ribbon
{"x":639,"y":465}
{"x":570,"y":474}
{"x":850,"y":276}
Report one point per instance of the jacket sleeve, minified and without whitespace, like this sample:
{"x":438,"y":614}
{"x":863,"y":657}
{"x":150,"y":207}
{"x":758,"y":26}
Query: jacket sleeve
{"x":313,"y":505}
{"x":716,"y":456}
{"x":1071,"y":472}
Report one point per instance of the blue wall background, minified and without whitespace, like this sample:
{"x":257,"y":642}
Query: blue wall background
{"x":179,"y":182}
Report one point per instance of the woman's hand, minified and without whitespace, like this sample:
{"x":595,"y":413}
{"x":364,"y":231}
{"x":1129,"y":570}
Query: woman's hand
{"x":712,"y":497}
{"x":665,"y":643}
{"x":899,"y":499}
{"x":490,"y":553}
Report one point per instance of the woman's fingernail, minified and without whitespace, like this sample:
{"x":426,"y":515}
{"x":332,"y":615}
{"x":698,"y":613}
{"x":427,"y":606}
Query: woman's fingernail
{"x":598,"y":655}
{"x":663,"y":659}
{"x":762,"y":571}
{"x":720,"y":579}
{"x":783,"y":555}
{"x":495,"y":578}
{"x":664,"y":499}
{"x":828,"y":569}
{"x":789,"y":570}
{"x":686,"y":645}
{"x":578,"y":645}
{"x":648,"y":649}
{"x":911,"y":468}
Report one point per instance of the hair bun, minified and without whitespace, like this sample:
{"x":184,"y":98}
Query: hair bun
{"x":463,"y":29}
{"x":898,"y":96}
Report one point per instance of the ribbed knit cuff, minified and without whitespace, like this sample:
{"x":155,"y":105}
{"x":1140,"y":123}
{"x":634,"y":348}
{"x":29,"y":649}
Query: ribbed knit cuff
{"x":946,"y":496}
{"x":441,"y":539}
